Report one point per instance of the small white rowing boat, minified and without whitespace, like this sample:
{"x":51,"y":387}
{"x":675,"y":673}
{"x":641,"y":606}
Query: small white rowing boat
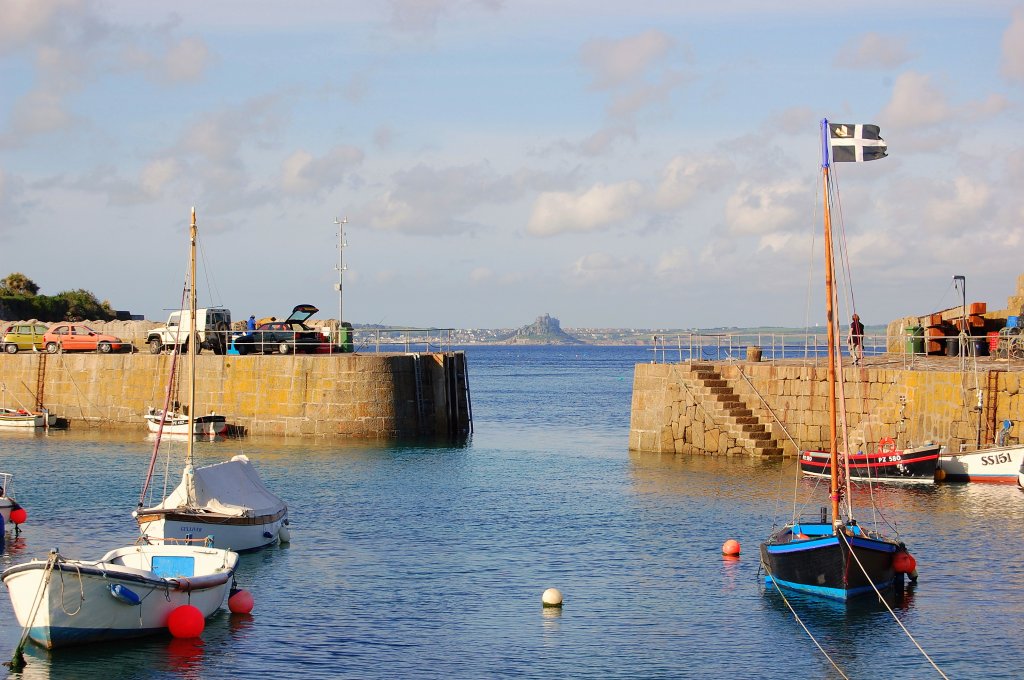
{"x":129,"y":592}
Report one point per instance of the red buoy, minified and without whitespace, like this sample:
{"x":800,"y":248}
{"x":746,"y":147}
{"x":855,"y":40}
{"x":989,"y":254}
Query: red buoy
{"x":904,"y":563}
{"x":186,"y":622}
{"x":241,"y":602}
{"x":731,"y":547}
{"x":18,"y":515}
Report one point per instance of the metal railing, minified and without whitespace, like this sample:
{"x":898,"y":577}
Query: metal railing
{"x":377,"y":340}
{"x":813,"y":347}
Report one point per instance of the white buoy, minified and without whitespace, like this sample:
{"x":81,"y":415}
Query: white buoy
{"x":284,"y":535}
{"x":552,"y":597}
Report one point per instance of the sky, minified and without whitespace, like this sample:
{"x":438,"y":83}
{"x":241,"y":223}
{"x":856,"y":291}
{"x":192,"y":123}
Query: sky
{"x":650,"y":164}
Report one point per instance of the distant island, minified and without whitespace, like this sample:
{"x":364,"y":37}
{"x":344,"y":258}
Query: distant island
{"x":546,"y":330}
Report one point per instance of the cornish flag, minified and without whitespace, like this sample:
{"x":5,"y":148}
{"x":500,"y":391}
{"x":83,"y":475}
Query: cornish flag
{"x":855,"y":143}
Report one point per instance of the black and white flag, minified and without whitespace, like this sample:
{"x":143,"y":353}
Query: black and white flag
{"x":855,"y":143}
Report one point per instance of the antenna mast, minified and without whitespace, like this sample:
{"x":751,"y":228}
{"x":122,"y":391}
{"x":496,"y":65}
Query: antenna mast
{"x":340,"y":267}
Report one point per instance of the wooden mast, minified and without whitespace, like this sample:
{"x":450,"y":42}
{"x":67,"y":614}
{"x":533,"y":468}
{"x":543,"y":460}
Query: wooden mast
{"x":191,"y":341}
{"x":830,"y":318}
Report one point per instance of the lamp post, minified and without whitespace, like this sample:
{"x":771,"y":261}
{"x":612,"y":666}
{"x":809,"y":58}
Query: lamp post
{"x":340,"y":267}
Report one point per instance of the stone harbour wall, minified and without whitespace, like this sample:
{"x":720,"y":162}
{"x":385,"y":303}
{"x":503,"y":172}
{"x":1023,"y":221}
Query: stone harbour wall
{"x":674,"y":409}
{"x":371,"y":396}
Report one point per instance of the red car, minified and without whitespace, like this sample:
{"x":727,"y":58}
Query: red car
{"x":75,"y":336}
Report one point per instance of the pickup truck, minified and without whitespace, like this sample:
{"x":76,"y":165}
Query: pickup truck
{"x":213,"y":326}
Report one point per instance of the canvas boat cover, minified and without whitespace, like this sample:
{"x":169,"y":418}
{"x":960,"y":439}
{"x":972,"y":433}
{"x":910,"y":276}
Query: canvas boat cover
{"x":231,"y":488}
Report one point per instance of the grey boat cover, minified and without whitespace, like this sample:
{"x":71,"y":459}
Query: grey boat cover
{"x":231,"y":488}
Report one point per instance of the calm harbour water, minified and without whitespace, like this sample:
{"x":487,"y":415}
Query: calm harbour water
{"x":429,"y":561}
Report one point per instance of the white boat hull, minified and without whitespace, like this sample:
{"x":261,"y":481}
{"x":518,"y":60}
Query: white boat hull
{"x":998,"y":464}
{"x":179,"y":425}
{"x":78,"y":606}
{"x":224,"y":532}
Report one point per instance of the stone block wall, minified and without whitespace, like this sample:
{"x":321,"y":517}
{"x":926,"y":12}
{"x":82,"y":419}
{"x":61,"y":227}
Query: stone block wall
{"x":375,"y":396}
{"x":912,"y":406}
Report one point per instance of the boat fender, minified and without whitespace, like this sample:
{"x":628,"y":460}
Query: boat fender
{"x":124,"y":595}
{"x":284,"y":534}
{"x":886,"y":445}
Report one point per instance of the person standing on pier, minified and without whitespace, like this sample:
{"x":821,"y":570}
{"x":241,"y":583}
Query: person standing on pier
{"x":251,"y":324}
{"x":856,"y":340}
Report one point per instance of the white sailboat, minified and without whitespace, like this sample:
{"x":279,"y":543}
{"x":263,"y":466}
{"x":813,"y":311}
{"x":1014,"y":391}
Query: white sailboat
{"x":226,"y":501}
{"x":127,"y":593}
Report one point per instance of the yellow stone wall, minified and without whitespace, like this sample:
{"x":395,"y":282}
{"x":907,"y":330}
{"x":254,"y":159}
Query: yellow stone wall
{"x":911,"y":406}
{"x":350,"y":395}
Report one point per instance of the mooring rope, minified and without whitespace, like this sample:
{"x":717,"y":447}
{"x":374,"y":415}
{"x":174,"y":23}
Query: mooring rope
{"x":891,"y":612}
{"x":802,"y":624}
{"x":17,"y":662}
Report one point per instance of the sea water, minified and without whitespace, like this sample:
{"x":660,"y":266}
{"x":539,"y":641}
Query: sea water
{"x":427,"y":560}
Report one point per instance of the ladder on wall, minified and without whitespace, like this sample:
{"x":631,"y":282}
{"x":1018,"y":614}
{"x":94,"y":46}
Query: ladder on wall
{"x":40,"y":380}
{"x":991,"y":402}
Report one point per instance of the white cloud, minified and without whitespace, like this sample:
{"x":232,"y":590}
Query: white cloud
{"x":1013,"y":47}
{"x":38,"y":112}
{"x":158,"y":174}
{"x":614,"y":63}
{"x":915,"y":102}
{"x":185,"y":60}
{"x":604,"y":268}
{"x":481,"y":275}
{"x":304,"y":174}
{"x":766,"y":208}
{"x":425,"y":200}
{"x":960,"y":207}
{"x":873,"y":50}
{"x":686,"y":177}
{"x":26,"y":21}
{"x":592,"y":210}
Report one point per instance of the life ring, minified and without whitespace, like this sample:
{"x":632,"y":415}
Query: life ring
{"x":886,"y":445}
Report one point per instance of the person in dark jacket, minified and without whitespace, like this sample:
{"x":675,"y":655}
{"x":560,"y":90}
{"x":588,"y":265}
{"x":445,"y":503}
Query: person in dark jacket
{"x":856,"y":340}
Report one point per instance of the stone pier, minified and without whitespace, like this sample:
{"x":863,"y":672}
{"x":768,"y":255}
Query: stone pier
{"x":366,"y":396}
{"x":774,"y":409}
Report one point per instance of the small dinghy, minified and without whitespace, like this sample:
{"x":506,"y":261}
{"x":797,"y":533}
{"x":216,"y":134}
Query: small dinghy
{"x":127,"y":593}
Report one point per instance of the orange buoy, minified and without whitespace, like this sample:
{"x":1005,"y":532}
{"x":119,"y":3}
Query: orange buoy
{"x":241,"y":602}
{"x":186,"y":622}
{"x":18,"y":515}
{"x":731,"y":547}
{"x":904,"y":563}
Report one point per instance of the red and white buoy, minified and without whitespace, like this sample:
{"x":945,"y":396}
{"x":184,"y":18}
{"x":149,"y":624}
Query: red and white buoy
{"x":904,"y":563}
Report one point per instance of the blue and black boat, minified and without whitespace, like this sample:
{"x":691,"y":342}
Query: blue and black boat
{"x":836,"y":557}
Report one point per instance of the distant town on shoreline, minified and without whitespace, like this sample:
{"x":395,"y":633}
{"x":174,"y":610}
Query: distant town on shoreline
{"x":547,"y":330}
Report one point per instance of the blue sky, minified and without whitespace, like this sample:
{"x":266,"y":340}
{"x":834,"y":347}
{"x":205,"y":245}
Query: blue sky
{"x":644,"y":164}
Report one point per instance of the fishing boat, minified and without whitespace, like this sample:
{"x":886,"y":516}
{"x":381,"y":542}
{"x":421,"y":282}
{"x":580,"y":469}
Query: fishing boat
{"x":835,"y":557}
{"x":21,"y":418}
{"x":998,"y":464}
{"x":127,"y":593}
{"x":227,"y":500}
{"x":886,"y":463}
{"x":173,"y":422}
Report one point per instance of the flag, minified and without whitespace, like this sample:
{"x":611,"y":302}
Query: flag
{"x":855,"y":143}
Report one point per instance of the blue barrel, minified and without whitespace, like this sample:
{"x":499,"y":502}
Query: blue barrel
{"x":1012,"y":321}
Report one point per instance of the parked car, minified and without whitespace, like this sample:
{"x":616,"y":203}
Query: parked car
{"x":290,"y":335}
{"x":23,"y":336}
{"x":75,"y":337}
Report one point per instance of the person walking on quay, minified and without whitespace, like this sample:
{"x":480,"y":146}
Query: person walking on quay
{"x":251,"y":323}
{"x":856,"y":340}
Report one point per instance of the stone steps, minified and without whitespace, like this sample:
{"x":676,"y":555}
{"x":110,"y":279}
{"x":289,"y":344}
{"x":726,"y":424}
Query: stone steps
{"x":737,"y":420}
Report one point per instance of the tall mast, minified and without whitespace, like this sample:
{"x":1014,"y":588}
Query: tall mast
{"x":830,"y":318}
{"x":342,"y":243}
{"x":191,"y":342}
